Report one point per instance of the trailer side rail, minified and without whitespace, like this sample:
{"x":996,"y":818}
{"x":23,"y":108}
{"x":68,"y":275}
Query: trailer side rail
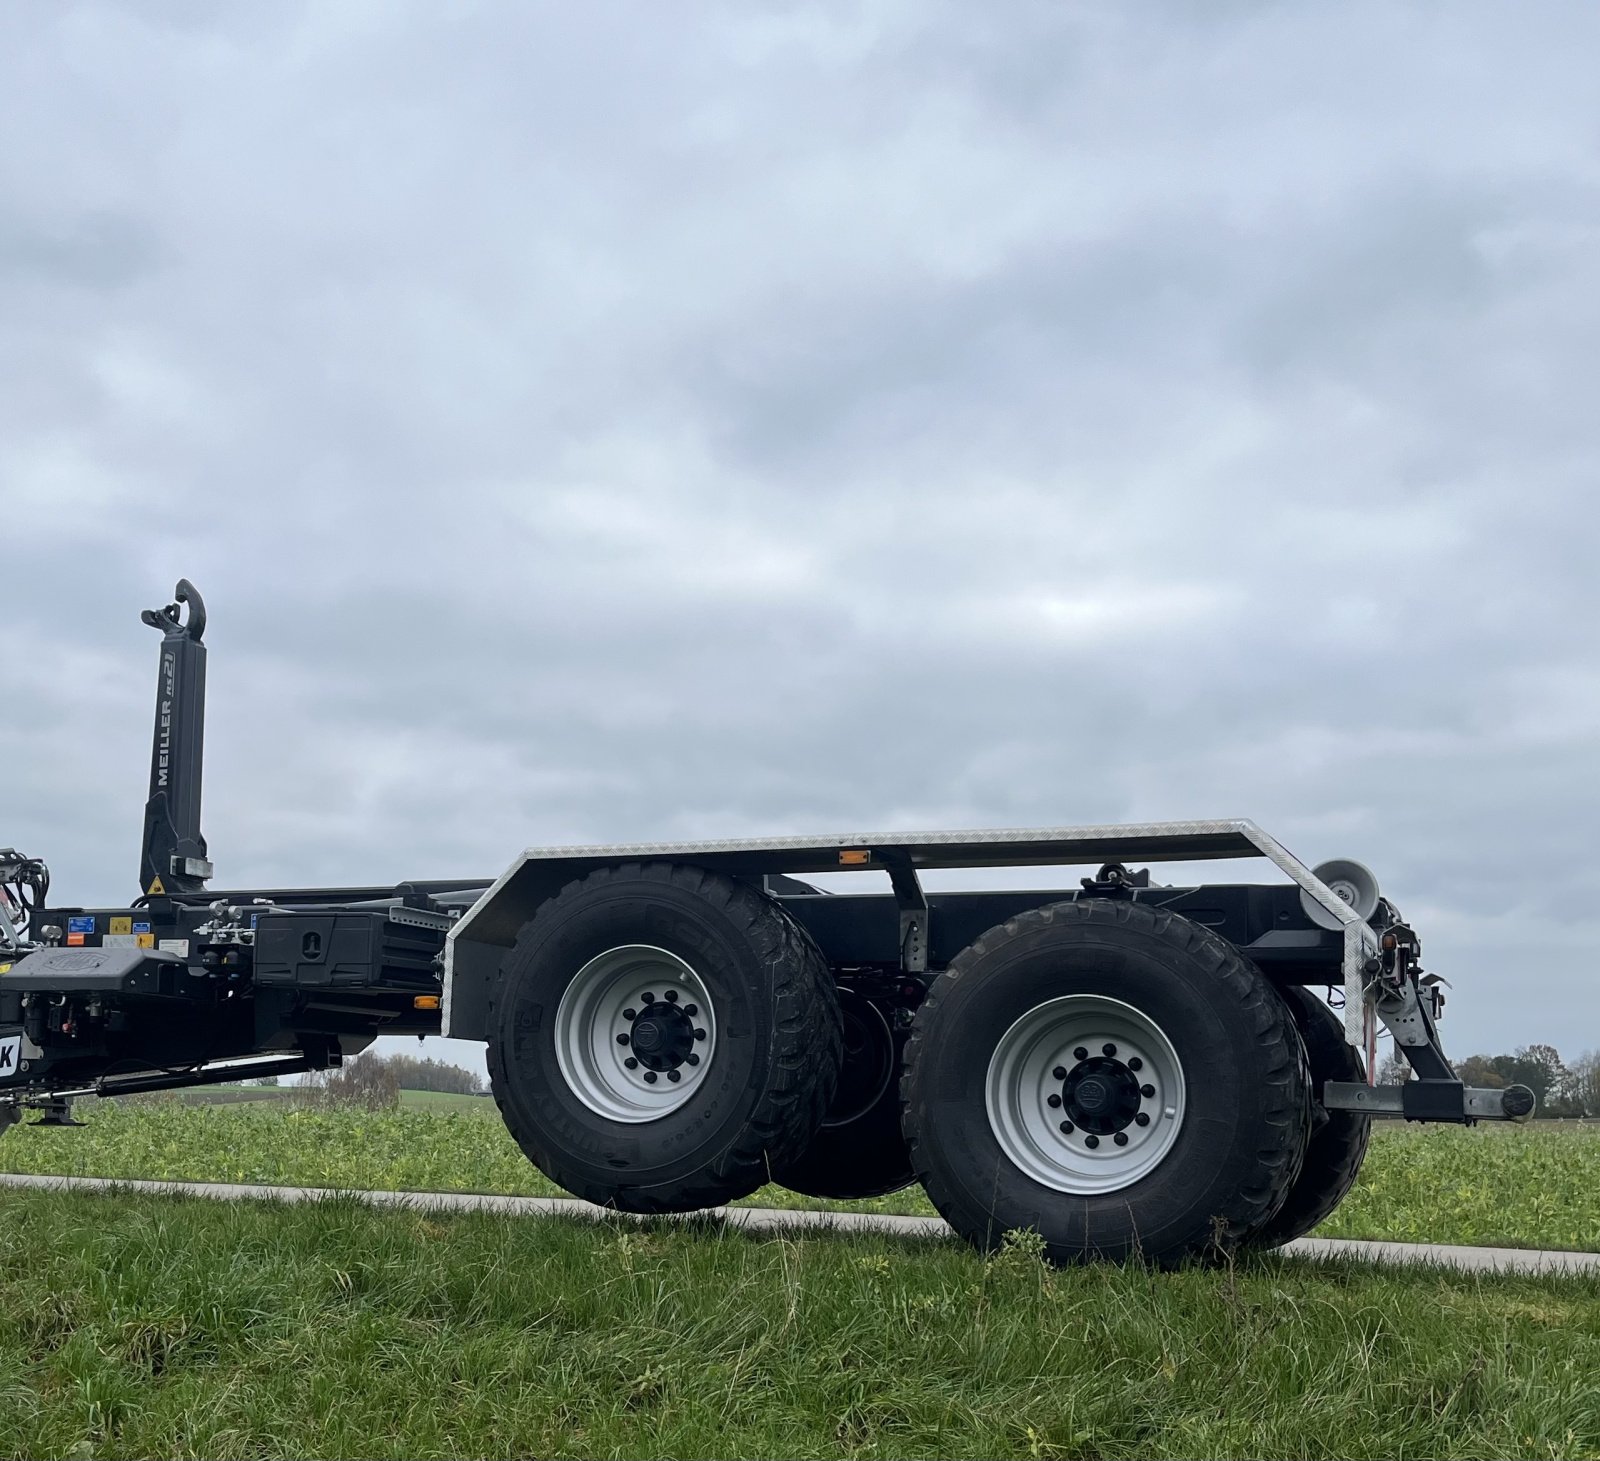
{"x":478,"y":941}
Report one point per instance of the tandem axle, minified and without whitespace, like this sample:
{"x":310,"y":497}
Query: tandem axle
{"x":1124,"y":1065}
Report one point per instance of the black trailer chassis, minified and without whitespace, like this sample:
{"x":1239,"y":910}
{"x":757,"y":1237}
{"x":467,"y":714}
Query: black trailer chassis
{"x":1125,"y":1066}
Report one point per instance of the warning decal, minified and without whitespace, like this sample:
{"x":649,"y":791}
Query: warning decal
{"x":10,"y":1056}
{"x":156,"y":885}
{"x":121,"y":925}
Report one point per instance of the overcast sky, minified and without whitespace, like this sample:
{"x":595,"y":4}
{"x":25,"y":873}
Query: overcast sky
{"x":632,"y":421}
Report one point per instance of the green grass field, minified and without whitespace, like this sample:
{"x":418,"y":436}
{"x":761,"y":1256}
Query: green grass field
{"x":144,"y":1326}
{"x":1532,"y":1187}
{"x":251,"y":1095}
{"x":445,"y":1101}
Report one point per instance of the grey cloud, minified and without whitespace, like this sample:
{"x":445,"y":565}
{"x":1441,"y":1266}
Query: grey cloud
{"x":812,"y":417}
{"x":99,"y":250}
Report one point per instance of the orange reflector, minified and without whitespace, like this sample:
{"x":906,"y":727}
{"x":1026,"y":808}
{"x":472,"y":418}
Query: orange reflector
{"x":854,"y":857}
{"x":425,"y":1002}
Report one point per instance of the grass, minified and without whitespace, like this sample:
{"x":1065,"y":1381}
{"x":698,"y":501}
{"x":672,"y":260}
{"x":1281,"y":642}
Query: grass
{"x":164,"y":1326}
{"x":1531,"y":1187}
{"x":248,"y":1095}
{"x":446,"y":1101}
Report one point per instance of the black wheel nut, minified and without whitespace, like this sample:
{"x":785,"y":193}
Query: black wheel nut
{"x":1142,"y":1119}
{"x":622,"y":1039}
{"x":1059,"y":1073}
{"x":672,"y":996}
{"x":1134,"y":1063}
{"x":647,"y":999}
{"x":1121,"y":1138}
{"x":1066,"y":1127}
{"x":677,"y":1075}
{"x":1108,"y":1049}
{"x":1091,"y":1140}
{"x":650,"y":1077}
{"x":699,"y":1034}
{"x":1080,"y":1054}
{"x":631,"y":1063}
{"x":694,"y":1059}
{"x":630,"y":1014}
{"x":1053,"y":1101}
{"x":690,"y":1010}
{"x":1147,"y":1089}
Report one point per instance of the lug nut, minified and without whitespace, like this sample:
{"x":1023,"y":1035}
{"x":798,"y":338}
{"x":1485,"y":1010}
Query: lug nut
{"x":1134,"y":1063}
{"x":622,"y":1039}
{"x":677,"y":1075}
{"x":1066,"y":1127}
{"x":630,"y":1063}
{"x":692,"y":1058}
{"x":1121,"y":1138}
{"x":630,"y":1014}
{"x":690,"y":1010}
{"x":672,"y":996}
{"x":1142,"y":1119}
{"x":1080,"y":1053}
{"x":1059,"y":1073}
{"x":1053,"y":1101}
{"x":647,"y":999}
{"x":1091,"y":1140}
{"x":1108,"y":1049}
{"x":650,"y":1077}
{"x":1147,"y":1089}
{"x":699,"y":1034}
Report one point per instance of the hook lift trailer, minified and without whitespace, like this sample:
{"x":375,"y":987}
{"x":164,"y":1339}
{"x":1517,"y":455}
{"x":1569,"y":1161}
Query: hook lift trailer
{"x":1126,"y":1067}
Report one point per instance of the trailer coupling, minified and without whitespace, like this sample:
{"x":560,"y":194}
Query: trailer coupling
{"x":1407,"y":1002}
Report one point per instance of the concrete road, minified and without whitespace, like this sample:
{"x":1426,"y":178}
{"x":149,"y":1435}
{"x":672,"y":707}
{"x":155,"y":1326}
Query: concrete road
{"x":1471,"y":1260}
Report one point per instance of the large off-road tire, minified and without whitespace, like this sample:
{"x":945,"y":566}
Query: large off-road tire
{"x":1338,"y":1141}
{"x":860,"y":1150}
{"x":722,"y":1002}
{"x":1071,"y":1026}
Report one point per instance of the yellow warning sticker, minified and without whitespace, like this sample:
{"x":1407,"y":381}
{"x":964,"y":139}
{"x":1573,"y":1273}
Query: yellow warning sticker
{"x":146,"y":940}
{"x":5,"y":968}
{"x":122,"y":925}
{"x":156,"y":886}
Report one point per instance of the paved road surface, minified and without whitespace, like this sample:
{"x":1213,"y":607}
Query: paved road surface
{"x":1472,"y":1260}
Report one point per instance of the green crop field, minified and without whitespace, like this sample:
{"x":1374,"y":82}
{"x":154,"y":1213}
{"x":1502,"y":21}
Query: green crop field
{"x":1529,"y":1187}
{"x":138,"y":1326}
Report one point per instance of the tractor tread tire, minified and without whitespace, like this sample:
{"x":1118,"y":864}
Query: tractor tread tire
{"x":1338,"y":1146}
{"x":863,"y":1158}
{"x":803,"y":1052}
{"x":1236,"y":984}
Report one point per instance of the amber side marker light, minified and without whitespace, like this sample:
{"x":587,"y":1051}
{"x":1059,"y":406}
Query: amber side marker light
{"x":854,"y":857}
{"x":425,"y":1002}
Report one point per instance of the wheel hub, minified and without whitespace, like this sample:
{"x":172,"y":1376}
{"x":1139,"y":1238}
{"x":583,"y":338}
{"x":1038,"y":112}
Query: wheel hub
{"x":1101,"y":1095}
{"x":662,"y":1036}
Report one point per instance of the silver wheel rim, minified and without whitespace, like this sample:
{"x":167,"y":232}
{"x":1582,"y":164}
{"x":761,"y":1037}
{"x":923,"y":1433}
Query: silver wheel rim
{"x":1057,"y":1049}
{"x":605,"y":1001}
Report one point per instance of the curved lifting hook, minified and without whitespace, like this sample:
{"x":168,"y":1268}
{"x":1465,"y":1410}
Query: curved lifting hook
{"x":168,"y":620}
